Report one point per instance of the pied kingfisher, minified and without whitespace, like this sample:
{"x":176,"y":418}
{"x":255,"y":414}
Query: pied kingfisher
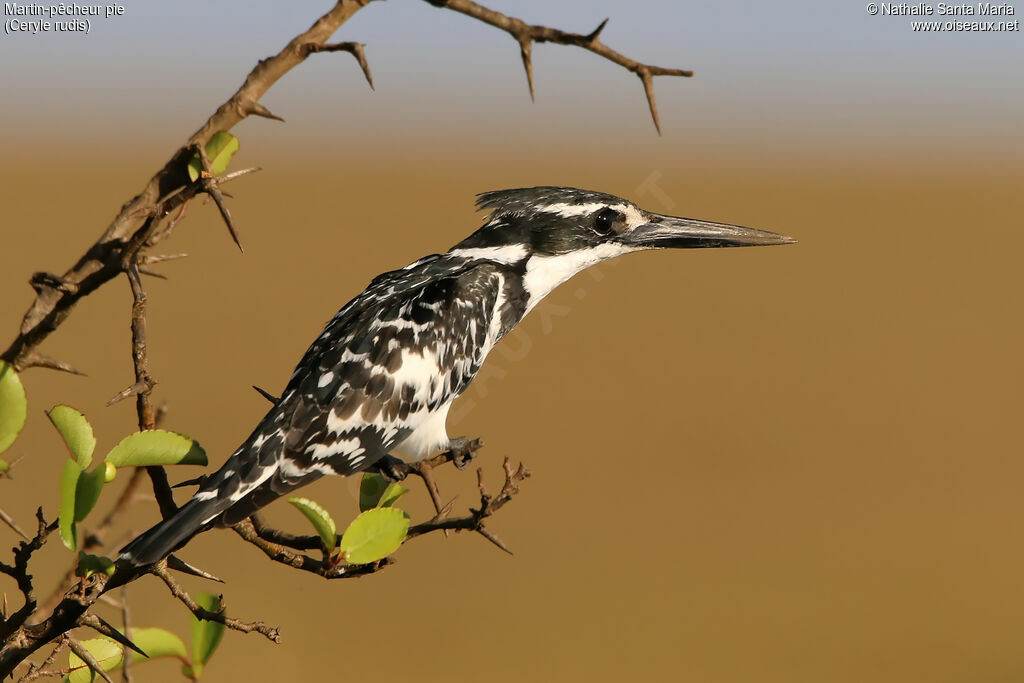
{"x":380,"y":378}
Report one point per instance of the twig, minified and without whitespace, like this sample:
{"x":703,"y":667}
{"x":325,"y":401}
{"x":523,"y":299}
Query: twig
{"x":126,"y":622}
{"x":19,"y":572}
{"x":9,"y":521}
{"x":87,"y":657}
{"x":39,"y":360}
{"x":40,"y":671}
{"x":94,"y":538}
{"x":143,"y":405}
{"x":160,"y":569}
{"x":425,"y":472}
{"x":474,"y":521}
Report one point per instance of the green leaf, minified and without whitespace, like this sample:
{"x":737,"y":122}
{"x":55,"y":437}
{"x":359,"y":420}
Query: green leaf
{"x":107,"y":654}
{"x":76,"y":432}
{"x":374,"y":534}
{"x":206,"y":635}
{"x":371,"y":488}
{"x":13,"y":406}
{"x":219,"y":150}
{"x":68,"y":489}
{"x":393,"y":492}
{"x":156,"y":447}
{"x":87,"y":491}
{"x":320,"y":519}
{"x":157,"y":642}
{"x":94,"y":564}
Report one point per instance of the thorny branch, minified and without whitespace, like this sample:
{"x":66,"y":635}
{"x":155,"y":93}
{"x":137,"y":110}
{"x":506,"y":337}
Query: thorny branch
{"x":528,"y":34}
{"x":160,"y":569}
{"x":39,"y":671}
{"x":278,"y":545}
{"x":19,"y":572}
{"x":147,"y":219}
{"x":143,"y":406}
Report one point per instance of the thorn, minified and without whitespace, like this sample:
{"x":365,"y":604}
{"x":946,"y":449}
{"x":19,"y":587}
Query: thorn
{"x":648,"y":81}
{"x":494,"y":539}
{"x":447,"y":509}
{"x":9,"y":521}
{"x":266,"y":394}
{"x":101,"y":626}
{"x":196,"y":481}
{"x":38,"y":360}
{"x":526,"y":51}
{"x":3,"y":608}
{"x":360,"y":56}
{"x":592,"y":36}
{"x":133,"y":390}
{"x":152,"y":273}
{"x":257,"y":109}
{"x":178,"y":564}
{"x":238,"y":174}
{"x":160,"y":258}
{"x":212,"y":190}
{"x":355,"y":49}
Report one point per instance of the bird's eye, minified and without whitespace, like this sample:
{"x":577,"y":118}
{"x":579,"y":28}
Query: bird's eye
{"x":605,"y":220}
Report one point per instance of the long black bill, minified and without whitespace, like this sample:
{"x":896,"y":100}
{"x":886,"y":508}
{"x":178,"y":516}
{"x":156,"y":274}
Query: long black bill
{"x":688,"y":233}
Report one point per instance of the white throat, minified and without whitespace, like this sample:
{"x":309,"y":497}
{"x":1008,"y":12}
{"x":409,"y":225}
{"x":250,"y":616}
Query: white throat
{"x":544,"y":273}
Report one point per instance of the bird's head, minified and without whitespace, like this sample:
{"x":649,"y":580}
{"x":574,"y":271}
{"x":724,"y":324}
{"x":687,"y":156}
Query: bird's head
{"x":552,"y":221}
{"x":555,"y":232}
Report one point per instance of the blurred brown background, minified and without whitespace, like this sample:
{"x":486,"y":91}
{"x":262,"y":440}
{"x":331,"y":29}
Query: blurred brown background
{"x":787,"y":464}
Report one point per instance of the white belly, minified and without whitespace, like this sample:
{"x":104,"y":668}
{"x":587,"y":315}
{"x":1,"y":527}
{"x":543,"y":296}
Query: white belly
{"x":429,"y":438}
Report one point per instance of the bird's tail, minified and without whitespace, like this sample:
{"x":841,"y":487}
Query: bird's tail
{"x":174,"y":532}
{"x":226,"y":498}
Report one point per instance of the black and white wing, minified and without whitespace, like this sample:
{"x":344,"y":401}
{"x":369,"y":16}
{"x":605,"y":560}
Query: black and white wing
{"x":387,"y":362}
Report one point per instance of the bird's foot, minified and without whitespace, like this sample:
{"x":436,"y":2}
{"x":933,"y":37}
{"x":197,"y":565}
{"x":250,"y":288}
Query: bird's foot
{"x":462,"y":449}
{"x":392,"y":468}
